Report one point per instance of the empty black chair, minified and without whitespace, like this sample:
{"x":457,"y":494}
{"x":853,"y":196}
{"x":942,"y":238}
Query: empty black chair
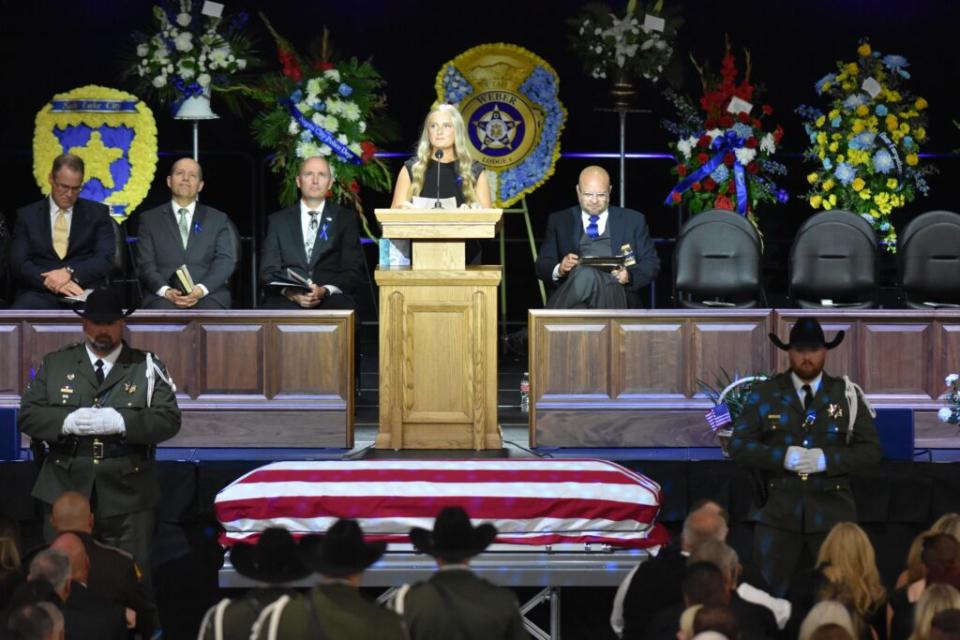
{"x":834,"y":257}
{"x":929,"y":250}
{"x":717,"y":261}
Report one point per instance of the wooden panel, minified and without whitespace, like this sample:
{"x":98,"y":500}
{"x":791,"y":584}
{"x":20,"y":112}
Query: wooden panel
{"x":574,"y":359}
{"x":175,"y":345}
{"x":428,"y":254}
{"x":648,"y":359}
{"x":626,"y":428}
{"x":262,"y":429}
{"x":734,"y":346}
{"x":10,"y":358}
{"x":438,"y":381}
{"x":232,"y":359}
{"x":896,"y":359}
{"x":41,"y":339}
{"x":311,"y":360}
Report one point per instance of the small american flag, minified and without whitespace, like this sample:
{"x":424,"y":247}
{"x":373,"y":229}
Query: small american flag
{"x":718,"y":416}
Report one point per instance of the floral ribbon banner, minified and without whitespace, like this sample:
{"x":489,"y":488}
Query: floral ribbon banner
{"x":114,"y":133}
{"x":509,"y":100}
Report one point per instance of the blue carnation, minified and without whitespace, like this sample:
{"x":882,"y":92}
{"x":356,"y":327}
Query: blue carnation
{"x":720,"y":174}
{"x":863,"y":141}
{"x":835,"y":123}
{"x":896,"y":64}
{"x":907,"y":142}
{"x":743,"y":130}
{"x":854,"y":101}
{"x":296,"y":96}
{"x":319,"y":105}
{"x":827,"y":164}
{"x":845,"y":173}
{"x":881,"y":110}
{"x":883,"y":161}
{"x":345,"y":90}
{"x":830,"y":77}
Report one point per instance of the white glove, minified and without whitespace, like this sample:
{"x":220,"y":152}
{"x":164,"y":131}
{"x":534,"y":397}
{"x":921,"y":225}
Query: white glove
{"x":70,"y":426}
{"x":813,"y":461}
{"x":98,"y":422}
{"x":793,"y":458}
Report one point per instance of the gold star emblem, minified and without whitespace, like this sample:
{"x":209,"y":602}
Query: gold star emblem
{"x":97,"y":157}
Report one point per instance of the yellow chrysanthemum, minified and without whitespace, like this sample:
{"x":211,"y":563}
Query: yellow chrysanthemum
{"x":862,"y":110}
{"x":864,"y":50}
{"x":834,"y":114}
{"x":828,"y":184}
{"x":874,"y":213}
{"x":896,"y":135}
{"x":865,"y":194}
{"x":851,"y":68}
{"x":812,"y":178}
{"x":912,"y":159}
{"x":857,"y":126}
{"x":815,"y":201}
{"x":833,"y":199}
{"x":847,"y":86}
{"x":920,"y":133}
{"x":858,"y":184}
{"x":891,"y":122}
{"x":891,"y":183}
{"x":920,"y":104}
{"x":821,"y":138}
{"x":904,"y":128}
{"x":836,"y":136}
{"x":833,"y":147}
{"x":819,"y":122}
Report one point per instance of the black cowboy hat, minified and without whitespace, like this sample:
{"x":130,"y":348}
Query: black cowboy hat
{"x":342,"y":551}
{"x":274,"y":558}
{"x":453,"y":537}
{"x":807,"y":332}
{"x":104,"y":305}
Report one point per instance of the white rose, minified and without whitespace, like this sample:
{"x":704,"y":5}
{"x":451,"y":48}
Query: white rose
{"x":168,"y":68}
{"x":343,"y":139}
{"x":351,"y":111}
{"x":187,"y":74}
{"x":303,"y":107}
{"x":160,"y":81}
{"x":294,"y":128}
{"x":332,"y":74}
{"x":325,"y":150}
{"x":945,"y":414}
{"x":143,"y":50}
{"x":241,"y":63}
{"x":183,"y":19}
{"x":767,"y":144}
{"x":331,"y":124}
{"x":950,"y":379}
{"x":745,"y":156}
{"x":184,"y":41}
{"x":318,"y":119}
{"x":203,"y":80}
{"x":362,"y":126}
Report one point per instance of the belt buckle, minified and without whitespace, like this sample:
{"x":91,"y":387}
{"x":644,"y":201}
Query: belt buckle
{"x":97,"y":451}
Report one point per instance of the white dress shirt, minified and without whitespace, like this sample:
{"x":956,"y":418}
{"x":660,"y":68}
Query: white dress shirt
{"x":321,"y":221}
{"x":191,"y":208}
{"x":108,"y":360}
{"x":585,"y":220}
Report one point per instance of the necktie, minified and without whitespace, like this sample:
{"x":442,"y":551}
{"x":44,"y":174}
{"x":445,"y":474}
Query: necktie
{"x":184,"y":227}
{"x":60,"y":234}
{"x":593,"y":230}
{"x":807,"y":396}
{"x":312,"y":233}
{"x":99,"y":371}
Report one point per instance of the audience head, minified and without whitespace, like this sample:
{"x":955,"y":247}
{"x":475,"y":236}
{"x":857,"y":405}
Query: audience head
{"x":823,"y":613}
{"x":56,"y":617}
{"x":73,"y":547}
{"x":849,"y":564}
{"x":71,"y":512}
{"x":185,"y":180}
{"x":686,"y":622}
{"x":723,"y":556}
{"x":31,"y":622}
{"x":705,"y":504}
{"x":831,"y":631}
{"x":53,"y":566}
{"x":939,"y":555}
{"x":719,"y":618}
{"x":314,"y":179}
{"x":703,"y":583}
{"x":593,"y":190}
{"x":9,"y":544}
{"x":33,"y":591}
{"x":66,"y":180}
{"x":945,"y":625}
{"x":935,"y":598}
{"x":701,"y":525}
{"x":454,"y":539}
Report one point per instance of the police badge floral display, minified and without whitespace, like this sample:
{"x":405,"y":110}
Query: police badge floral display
{"x":951,"y":413}
{"x":322,"y":107}
{"x":724,"y":148}
{"x":193,"y":50}
{"x":639,"y":44}
{"x":866,"y":147}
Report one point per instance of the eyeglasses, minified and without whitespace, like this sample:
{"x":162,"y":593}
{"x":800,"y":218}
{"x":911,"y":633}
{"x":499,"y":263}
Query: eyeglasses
{"x":596,"y":196}
{"x":66,"y":187}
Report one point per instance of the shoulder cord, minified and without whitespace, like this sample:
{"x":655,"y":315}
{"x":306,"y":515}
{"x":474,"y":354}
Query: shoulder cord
{"x":270,"y":616}
{"x":851,"y":389}
{"x":154,"y":370}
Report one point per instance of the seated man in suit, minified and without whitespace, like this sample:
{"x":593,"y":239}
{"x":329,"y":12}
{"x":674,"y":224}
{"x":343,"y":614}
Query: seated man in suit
{"x":186,"y":232}
{"x":595,"y":229}
{"x":61,"y":245}
{"x":317,"y":240}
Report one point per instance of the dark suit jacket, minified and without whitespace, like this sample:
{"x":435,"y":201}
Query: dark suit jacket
{"x":565,"y":228}
{"x":211,"y":254}
{"x":88,"y":616}
{"x":772,"y":420}
{"x":338,"y":260}
{"x":90,"y":247}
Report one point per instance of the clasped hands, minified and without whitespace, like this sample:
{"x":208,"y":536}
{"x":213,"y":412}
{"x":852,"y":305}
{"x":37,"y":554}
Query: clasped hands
{"x":309,"y":299}
{"x":60,"y":281}
{"x":92,"y":421}
{"x":183,"y":301}
{"x":805,"y":461}
{"x":572,"y":260}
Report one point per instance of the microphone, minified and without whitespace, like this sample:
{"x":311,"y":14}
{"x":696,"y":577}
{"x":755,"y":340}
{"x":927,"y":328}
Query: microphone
{"x":439,"y":156}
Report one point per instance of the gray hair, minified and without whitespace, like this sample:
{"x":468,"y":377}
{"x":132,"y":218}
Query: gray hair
{"x":719,"y":554}
{"x":51,"y":565}
{"x":55,"y":615}
{"x":826,"y":612}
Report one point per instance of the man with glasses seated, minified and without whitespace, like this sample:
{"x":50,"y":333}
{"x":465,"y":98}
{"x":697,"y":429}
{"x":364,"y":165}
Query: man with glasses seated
{"x":616,"y":240}
{"x":61,"y":245}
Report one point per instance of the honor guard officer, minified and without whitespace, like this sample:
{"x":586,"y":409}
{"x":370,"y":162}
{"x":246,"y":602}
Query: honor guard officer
{"x":804,"y":431}
{"x":101,"y":407}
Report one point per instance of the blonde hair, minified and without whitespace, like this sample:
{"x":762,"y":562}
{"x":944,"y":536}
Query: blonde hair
{"x":826,"y":612}
{"x":935,"y":598}
{"x":9,"y":554}
{"x":461,"y":150}
{"x":686,"y":620}
{"x":947,"y":523}
{"x":849,"y":564}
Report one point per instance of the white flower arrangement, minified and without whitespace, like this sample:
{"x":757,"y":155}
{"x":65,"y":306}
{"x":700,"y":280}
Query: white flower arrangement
{"x":951,"y":413}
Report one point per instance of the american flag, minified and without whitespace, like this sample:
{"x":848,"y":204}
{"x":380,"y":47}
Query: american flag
{"x":563,"y":503}
{"x":718,"y":416}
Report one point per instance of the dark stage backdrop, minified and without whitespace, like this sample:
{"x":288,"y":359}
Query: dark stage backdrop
{"x":50,"y":46}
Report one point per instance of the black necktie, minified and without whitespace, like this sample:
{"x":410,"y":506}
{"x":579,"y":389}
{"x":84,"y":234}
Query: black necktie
{"x":807,"y":397}
{"x":99,"y":365}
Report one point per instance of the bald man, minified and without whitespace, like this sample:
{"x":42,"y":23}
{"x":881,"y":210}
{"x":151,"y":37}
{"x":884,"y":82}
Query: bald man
{"x":87,"y":615}
{"x":113,"y":574}
{"x":595,"y":229}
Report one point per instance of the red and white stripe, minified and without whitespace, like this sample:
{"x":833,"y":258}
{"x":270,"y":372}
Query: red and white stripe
{"x":562,"y":503}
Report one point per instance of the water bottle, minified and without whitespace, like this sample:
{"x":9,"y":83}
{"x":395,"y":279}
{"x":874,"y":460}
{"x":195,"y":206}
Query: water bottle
{"x":525,"y":392}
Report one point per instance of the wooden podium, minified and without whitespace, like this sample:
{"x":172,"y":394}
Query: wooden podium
{"x":438,"y":334}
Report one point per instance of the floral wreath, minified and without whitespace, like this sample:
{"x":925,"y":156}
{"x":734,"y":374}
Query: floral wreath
{"x":115,"y":134}
{"x":535,"y":90}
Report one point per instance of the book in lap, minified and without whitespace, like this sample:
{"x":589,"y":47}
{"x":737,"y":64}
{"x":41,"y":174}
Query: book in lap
{"x":182,"y":281}
{"x":292,"y":280}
